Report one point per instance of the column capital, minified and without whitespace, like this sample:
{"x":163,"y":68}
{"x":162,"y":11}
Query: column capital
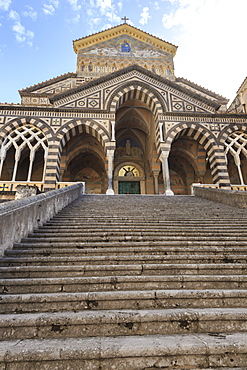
{"x":163,"y":155}
{"x":110,"y":152}
{"x":156,"y":173}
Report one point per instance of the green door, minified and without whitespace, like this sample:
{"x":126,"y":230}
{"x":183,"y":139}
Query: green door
{"x":129,"y":187}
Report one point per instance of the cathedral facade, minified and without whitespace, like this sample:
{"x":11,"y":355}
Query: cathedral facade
{"x":123,"y":124}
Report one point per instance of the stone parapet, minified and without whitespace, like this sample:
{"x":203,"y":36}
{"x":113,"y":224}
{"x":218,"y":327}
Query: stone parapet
{"x":230,"y":197}
{"x":18,"y":218}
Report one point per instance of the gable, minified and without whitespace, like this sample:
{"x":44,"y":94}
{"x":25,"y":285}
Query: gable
{"x":126,"y":30}
{"x":126,"y":47}
{"x":98,"y":94}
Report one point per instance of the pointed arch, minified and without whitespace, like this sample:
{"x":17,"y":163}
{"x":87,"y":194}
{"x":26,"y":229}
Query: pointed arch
{"x":207,"y":140}
{"x":140,"y":91}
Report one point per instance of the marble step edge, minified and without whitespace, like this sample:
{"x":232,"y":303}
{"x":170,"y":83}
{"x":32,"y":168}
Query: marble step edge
{"x":225,"y":257}
{"x":129,"y":353}
{"x":129,"y":243}
{"x":155,"y":249}
{"x":121,"y":322}
{"x":135,"y":267}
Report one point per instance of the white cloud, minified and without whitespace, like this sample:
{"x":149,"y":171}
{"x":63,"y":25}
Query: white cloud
{"x":75,"y":20}
{"x":112,"y":17}
{"x":75,"y":6}
{"x":156,"y":5}
{"x":19,"y":28}
{"x":30,"y":13}
{"x":5,"y":4}
{"x":14,"y":15}
{"x":104,"y":5}
{"x":49,"y":9}
{"x":55,"y":3}
{"x":120,"y":5}
{"x":209,"y":35}
{"x":144,"y":16}
{"x":21,"y":34}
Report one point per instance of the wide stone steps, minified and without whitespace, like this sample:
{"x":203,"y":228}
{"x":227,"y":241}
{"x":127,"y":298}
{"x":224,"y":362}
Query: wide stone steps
{"x":149,"y":352}
{"x":119,"y":300}
{"x":101,"y":250}
{"x":123,"y":283}
{"x":128,"y":282}
{"x":120,"y":269}
{"x":69,"y":324}
{"x":124,"y":259}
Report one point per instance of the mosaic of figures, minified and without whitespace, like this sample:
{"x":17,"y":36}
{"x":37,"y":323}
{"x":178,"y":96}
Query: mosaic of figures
{"x":128,"y":148}
{"x":122,"y":45}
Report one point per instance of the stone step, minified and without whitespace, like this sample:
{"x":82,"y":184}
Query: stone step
{"x":131,"y":243}
{"x":178,"y":351}
{"x":123,"y":259}
{"x":123,"y":300}
{"x":115,"y":283}
{"x":94,"y":323}
{"x":141,"y":228}
{"x":15,"y":272}
{"x":107,"y":238}
{"x":103,"y":220}
{"x":83,"y":249}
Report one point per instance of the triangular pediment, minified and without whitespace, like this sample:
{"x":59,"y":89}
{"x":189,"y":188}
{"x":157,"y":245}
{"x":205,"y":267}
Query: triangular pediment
{"x":95,"y":95}
{"x":127,"y":31}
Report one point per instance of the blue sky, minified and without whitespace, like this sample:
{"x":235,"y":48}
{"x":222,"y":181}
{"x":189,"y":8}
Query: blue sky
{"x":36,"y":38}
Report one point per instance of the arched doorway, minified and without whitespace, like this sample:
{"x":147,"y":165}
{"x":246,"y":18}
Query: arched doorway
{"x":83,"y":159}
{"x":188,"y":163}
{"x":135,"y":152}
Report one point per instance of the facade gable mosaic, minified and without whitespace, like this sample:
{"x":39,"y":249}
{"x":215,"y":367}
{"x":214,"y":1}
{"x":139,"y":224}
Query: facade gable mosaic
{"x":126,"y":46}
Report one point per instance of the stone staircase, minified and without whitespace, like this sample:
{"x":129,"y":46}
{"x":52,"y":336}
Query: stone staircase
{"x":128,"y":283}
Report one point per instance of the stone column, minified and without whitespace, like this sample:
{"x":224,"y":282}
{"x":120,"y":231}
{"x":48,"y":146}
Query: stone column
{"x":17,"y":158}
{"x":166,"y":175}
{"x":238,"y":164}
{"x":113,"y":131}
{"x":156,"y":182}
{"x":161,"y":132}
{"x":31,"y":160}
{"x":2,"y":158}
{"x":110,"y":157}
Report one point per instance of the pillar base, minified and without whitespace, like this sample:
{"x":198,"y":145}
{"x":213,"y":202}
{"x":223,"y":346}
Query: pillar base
{"x":110,"y":192}
{"x":169,"y":192}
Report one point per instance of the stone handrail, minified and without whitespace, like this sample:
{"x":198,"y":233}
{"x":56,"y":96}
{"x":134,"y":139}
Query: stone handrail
{"x":20,"y":217}
{"x":232,"y":198}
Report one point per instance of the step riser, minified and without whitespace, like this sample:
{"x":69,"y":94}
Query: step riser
{"x":124,"y":286}
{"x":228,"y":253}
{"x":130,"y":260}
{"x":163,"y":361}
{"x":132,"y":271}
{"x":119,"y":327}
{"x":129,"y":304}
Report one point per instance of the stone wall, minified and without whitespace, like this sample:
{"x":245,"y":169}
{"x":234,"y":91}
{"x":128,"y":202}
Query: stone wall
{"x":18,"y":218}
{"x":230,"y":197}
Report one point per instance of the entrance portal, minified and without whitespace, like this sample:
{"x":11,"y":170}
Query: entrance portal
{"x":129,"y":187}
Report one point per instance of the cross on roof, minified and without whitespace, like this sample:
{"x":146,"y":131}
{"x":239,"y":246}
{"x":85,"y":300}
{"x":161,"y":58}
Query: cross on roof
{"x":125,"y":19}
